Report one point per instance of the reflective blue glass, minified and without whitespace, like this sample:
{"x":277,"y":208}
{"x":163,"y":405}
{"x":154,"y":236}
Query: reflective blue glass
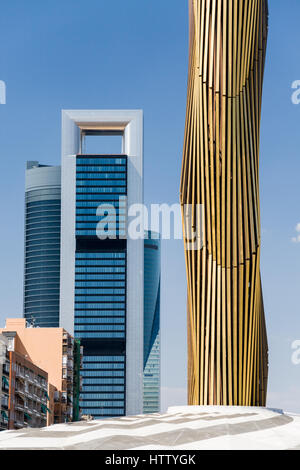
{"x":93,"y":197}
{"x":41,"y":289}
{"x":98,"y":413}
{"x":87,"y":190}
{"x":99,"y":335}
{"x":100,"y":262}
{"x":111,"y":327}
{"x":99,"y":298}
{"x":151,"y":324}
{"x":103,"y":169}
{"x":104,"y":388}
{"x":107,"y":381}
{"x":99,"y":306}
{"x":99,"y":270}
{"x":100,"y":284}
{"x":100,"y":161}
{"x":102,"y":365}
{"x":106,"y":320}
{"x":99,"y":313}
{"x":102,"y":373}
{"x":100,"y":277}
{"x":103,"y":359}
{"x":101,"y":396}
{"x":88,"y":256}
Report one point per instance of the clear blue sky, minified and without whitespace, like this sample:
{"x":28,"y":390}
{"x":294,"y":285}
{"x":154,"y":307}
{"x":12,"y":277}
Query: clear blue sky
{"x":133,"y":54}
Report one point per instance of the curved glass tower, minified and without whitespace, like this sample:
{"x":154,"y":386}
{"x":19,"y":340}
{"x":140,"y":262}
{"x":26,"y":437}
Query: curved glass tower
{"x":151,"y":323}
{"x":42,"y":244}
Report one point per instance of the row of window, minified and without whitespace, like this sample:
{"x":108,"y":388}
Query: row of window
{"x":95,"y":321}
{"x":100,"y":284}
{"x":40,"y":251}
{"x":51,"y":293}
{"x":39,"y":244}
{"x":39,"y":312}
{"x":103,"y":381}
{"x":93,"y":197}
{"x":103,"y":365}
{"x":99,"y":335}
{"x":100,"y":190}
{"x":34,"y":264}
{"x":100,"y":262}
{"x":100,"y":208}
{"x":102,"y":373}
{"x":51,"y":272}
{"x":48,"y":202}
{"x":40,"y":304}
{"x":98,"y":413}
{"x":34,"y":216}
{"x":100,"y":255}
{"x":100,"y":328}
{"x":98,"y":313}
{"x":41,"y":219}
{"x":31,"y":228}
{"x":112,"y":218}
{"x":31,"y":305}
{"x":103,"y":358}
{"x":100,"y":292}
{"x":98,"y":174}
{"x":42,"y":284}
{"x":100,"y":168}
{"x":99,"y":298}
{"x":102,"y":234}
{"x":99,"y":305}
{"x":99,"y":270}
{"x":44,"y":235}
{"x":100,"y":277}
{"x":95,"y":160}
{"x":55,"y":210}
{"x":101,"y":396}
{"x":45,"y":320}
{"x":101,"y":227}
{"x":32,"y":260}
{"x":101,"y":403}
{"x":104,"y":388}
{"x":80,"y":184}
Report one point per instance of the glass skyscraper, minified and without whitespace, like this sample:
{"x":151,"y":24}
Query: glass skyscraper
{"x":152,"y":270}
{"x":42,"y":244}
{"x":102,"y":269}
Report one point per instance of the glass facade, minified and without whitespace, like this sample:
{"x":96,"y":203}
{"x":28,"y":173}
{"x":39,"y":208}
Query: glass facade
{"x":152,"y":262}
{"x":103,"y":384}
{"x":100,"y":282}
{"x":42,"y":245}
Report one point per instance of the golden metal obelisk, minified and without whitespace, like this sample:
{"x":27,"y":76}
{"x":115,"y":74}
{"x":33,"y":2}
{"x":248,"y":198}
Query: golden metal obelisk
{"x":227,"y":341}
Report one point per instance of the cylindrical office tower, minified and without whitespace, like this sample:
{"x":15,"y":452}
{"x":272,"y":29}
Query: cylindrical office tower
{"x":227,"y":342}
{"x":152,"y":270}
{"x":42,"y":244}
